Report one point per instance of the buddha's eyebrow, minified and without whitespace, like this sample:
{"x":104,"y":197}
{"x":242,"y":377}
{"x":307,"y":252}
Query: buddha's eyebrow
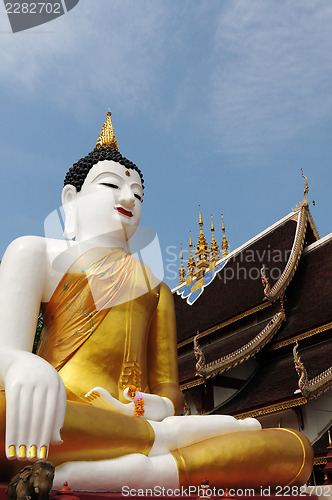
{"x":137,"y":184}
{"x":105,"y":175}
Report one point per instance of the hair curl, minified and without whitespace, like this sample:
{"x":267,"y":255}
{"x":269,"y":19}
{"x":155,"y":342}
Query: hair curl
{"x":77,"y":173}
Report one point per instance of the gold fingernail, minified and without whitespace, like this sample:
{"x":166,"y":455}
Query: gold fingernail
{"x":12,"y":451}
{"x":33,"y":451}
{"x":22,"y":451}
{"x":43,"y":452}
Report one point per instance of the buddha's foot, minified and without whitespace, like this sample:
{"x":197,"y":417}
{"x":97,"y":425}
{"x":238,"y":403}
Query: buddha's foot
{"x":119,"y":474}
{"x":178,"y":432}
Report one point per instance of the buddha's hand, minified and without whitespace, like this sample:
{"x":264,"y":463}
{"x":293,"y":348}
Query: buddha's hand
{"x":149,"y":406}
{"x":35,"y":404}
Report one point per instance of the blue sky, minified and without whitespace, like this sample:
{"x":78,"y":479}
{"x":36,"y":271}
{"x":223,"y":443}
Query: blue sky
{"x":220,"y":103}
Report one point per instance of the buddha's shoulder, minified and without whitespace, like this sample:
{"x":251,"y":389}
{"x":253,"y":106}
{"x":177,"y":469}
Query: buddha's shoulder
{"x":26,"y":244}
{"x":34,"y":247}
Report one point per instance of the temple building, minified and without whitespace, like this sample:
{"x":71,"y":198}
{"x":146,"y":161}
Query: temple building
{"x":254,"y":328}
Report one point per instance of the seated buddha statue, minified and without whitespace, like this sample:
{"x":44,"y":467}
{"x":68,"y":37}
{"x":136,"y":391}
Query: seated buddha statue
{"x":101,"y":397}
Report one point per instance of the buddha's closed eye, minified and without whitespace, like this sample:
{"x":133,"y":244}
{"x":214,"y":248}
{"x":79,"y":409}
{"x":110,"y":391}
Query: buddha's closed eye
{"x":108,"y":184}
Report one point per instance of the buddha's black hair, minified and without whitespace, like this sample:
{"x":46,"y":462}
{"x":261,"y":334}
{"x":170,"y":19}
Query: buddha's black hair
{"x":77,"y":173}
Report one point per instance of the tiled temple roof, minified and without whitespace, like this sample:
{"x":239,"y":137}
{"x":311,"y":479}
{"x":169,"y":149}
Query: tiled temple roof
{"x":309,"y":298}
{"x":275,"y":383}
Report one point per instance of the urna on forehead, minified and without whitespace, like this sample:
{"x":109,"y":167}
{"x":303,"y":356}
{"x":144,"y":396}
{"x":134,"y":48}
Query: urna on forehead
{"x":106,"y":149}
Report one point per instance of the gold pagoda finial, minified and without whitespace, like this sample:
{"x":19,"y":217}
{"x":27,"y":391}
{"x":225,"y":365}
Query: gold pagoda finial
{"x":200,"y":220}
{"x":202,"y":250}
{"x":212,"y":226}
{"x":224,"y":244}
{"x":107,"y":137}
{"x":191,"y":265}
{"x":182,"y":272}
{"x":214,"y":249}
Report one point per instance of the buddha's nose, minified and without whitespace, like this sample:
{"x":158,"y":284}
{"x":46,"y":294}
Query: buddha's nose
{"x":126,"y":197}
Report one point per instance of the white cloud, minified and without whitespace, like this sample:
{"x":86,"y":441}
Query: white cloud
{"x":97,"y":49}
{"x":271,"y":71}
{"x":249,"y":73}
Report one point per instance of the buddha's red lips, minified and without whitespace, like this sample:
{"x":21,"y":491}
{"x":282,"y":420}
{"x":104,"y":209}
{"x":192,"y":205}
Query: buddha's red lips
{"x":124,"y":212}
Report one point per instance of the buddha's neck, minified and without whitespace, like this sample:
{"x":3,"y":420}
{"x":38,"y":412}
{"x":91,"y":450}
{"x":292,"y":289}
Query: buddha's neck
{"x":85,"y":242}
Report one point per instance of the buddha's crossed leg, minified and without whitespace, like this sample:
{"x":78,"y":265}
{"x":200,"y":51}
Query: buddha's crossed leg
{"x":100,"y":446}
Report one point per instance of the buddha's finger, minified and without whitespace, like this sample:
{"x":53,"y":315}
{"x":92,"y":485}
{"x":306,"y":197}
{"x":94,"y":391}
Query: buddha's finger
{"x":12,"y":413}
{"x":37,"y":417}
{"x":59,"y":414}
{"x":127,"y":392}
{"x":25,"y":419}
{"x":50,"y":409}
{"x":91,"y":395}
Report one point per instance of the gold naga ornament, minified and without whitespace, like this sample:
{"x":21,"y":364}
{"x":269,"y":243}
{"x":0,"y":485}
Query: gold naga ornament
{"x":107,"y":137}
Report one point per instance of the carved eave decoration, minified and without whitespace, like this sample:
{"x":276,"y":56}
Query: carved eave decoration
{"x":240,"y":355}
{"x":274,"y":408}
{"x":313,"y":225}
{"x":301,"y":336}
{"x":317,"y":385}
{"x":191,"y":384}
{"x":280,"y":286}
{"x":320,"y":461}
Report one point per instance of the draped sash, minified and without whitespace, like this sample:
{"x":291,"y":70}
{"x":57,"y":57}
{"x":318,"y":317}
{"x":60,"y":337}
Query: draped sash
{"x":92,"y":285}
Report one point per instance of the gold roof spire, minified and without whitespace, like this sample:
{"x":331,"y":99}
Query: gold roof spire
{"x":191,"y":265}
{"x":182,"y":272}
{"x":306,"y":189}
{"x":214,"y":249}
{"x":212,"y":226}
{"x":224,"y":244}
{"x":107,"y":137}
{"x":202,"y":250}
{"x":200,"y":220}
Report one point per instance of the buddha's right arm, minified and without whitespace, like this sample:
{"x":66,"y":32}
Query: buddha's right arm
{"x":35,"y":395}
{"x":162,"y":352}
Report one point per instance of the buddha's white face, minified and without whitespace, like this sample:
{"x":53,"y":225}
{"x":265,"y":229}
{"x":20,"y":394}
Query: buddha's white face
{"x":109,"y":202}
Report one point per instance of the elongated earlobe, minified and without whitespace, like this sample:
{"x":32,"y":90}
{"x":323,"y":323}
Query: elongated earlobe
{"x":69,"y":194}
{"x":69,"y":231}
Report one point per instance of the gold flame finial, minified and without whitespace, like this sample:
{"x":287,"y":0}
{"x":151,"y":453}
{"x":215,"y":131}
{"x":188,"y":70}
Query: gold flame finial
{"x":107,"y":137}
{"x":191,"y":264}
{"x":224,"y":244}
{"x":200,"y":220}
{"x":222,"y":223}
{"x":214,"y":249}
{"x":182,"y":272}
{"x":202,"y":250}
{"x":212,"y":226}
{"x":306,"y":188}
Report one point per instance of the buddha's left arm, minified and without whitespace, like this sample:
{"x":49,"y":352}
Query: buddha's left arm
{"x":163,"y":378}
